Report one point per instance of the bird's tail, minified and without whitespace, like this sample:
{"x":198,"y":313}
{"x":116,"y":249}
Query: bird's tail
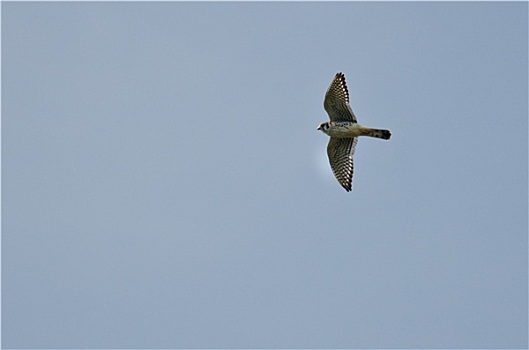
{"x":378,"y":133}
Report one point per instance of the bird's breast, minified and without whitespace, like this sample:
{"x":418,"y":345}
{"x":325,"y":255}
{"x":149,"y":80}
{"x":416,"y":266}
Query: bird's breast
{"x":344,"y":129}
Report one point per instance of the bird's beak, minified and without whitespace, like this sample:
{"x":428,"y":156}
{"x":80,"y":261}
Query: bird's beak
{"x":319,"y":128}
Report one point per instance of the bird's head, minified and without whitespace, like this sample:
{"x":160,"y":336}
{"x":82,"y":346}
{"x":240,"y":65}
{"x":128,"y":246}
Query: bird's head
{"x":323,"y":127}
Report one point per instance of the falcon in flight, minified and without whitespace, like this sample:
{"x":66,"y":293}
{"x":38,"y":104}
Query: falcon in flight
{"x":344,"y":131}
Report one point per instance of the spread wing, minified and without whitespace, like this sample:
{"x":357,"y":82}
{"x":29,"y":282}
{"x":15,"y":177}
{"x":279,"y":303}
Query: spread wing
{"x":340,"y":152}
{"x":336,"y":101}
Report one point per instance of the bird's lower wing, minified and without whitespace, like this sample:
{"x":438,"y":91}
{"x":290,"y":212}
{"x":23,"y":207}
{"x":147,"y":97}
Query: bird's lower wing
{"x":340,"y":152}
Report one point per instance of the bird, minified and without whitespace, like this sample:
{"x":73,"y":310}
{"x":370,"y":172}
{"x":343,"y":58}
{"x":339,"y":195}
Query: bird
{"x":344,"y":131}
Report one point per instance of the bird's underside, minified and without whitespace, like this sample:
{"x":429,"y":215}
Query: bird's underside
{"x":344,"y":131}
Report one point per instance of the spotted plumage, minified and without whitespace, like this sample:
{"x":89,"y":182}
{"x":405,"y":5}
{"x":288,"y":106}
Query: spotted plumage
{"x":344,"y":131}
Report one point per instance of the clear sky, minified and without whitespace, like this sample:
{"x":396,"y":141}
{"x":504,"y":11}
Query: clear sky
{"x":164,"y":184}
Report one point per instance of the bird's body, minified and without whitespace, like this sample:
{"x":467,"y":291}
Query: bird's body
{"x":351,"y":129}
{"x":344,"y":131}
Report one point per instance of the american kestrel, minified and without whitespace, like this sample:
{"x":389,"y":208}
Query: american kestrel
{"x":344,"y":131}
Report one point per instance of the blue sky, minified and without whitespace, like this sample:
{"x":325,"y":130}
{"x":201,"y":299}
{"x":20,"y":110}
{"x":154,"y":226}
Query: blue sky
{"x":164,"y":184}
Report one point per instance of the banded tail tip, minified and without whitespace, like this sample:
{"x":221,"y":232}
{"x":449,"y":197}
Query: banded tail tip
{"x":380,"y":133}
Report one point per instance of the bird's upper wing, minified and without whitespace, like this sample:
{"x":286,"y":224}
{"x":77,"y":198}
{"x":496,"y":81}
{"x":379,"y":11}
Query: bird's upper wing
{"x":336,"y":101}
{"x":340,"y":152}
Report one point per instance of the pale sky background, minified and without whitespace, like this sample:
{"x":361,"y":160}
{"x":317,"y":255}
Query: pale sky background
{"x":164,"y":184}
